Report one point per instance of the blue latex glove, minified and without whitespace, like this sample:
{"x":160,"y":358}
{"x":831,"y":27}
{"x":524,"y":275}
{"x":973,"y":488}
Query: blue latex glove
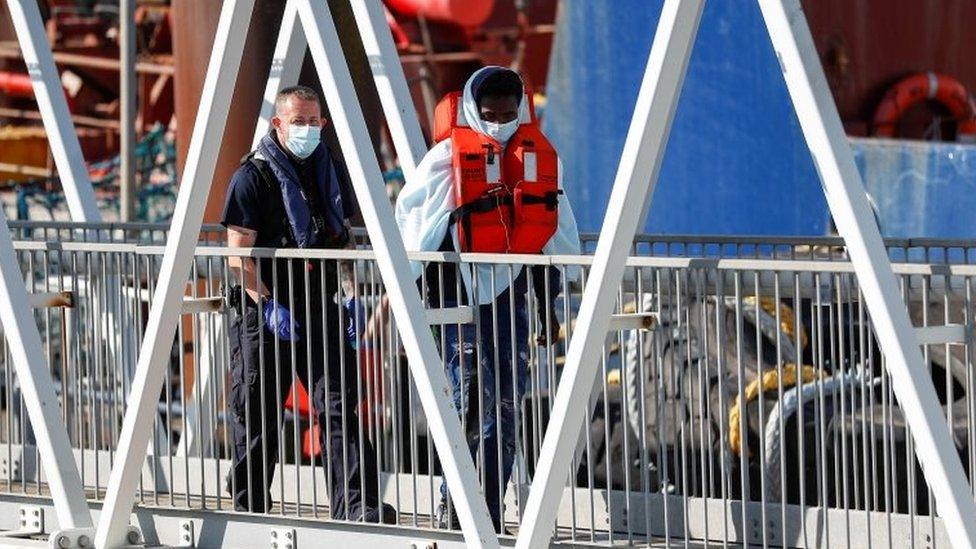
{"x":278,"y":321}
{"x":355,"y":316}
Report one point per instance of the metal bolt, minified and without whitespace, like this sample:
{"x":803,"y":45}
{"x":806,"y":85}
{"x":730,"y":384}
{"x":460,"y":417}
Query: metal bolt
{"x":274,"y":534}
{"x":186,"y":525}
{"x":37,"y":512}
{"x":274,"y":545}
{"x":83,"y":541}
{"x":133,"y":537}
{"x":288,"y":535}
{"x":64,"y":542}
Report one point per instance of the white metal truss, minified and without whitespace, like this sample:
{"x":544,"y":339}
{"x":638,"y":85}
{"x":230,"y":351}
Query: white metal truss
{"x":340,"y":95}
{"x":391,"y":84}
{"x":40,"y":397}
{"x":824,"y":132}
{"x":308,"y":23}
{"x":637,"y":174}
{"x":391,"y":258}
{"x":286,"y":65}
{"x":636,"y":178}
{"x":20,"y":330}
{"x":166,"y":307}
{"x":66,"y":150}
{"x":384,"y":62}
{"x":53,"y":106}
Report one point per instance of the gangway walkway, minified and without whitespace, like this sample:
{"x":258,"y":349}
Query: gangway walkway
{"x":761,"y":400}
{"x":825,"y":462}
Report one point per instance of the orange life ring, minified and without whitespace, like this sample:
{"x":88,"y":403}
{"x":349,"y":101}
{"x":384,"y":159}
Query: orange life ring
{"x":926,"y":86}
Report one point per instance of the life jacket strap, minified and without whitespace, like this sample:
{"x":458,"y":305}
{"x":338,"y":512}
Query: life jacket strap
{"x":489,"y":202}
{"x":550,"y":199}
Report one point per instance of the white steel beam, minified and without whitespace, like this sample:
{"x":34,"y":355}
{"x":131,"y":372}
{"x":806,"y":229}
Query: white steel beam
{"x":40,"y":397}
{"x":63,"y":140}
{"x":286,"y":66}
{"x":634,"y":321}
{"x":391,"y":84}
{"x":937,"y":335}
{"x":636,"y":178}
{"x":198,"y":436}
{"x":391,"y":258}
{"x":39,"y":394}
{"x":53,"y":106}
{"x":855,"y":221}
{"x":218,"y":91}
{"x":52,"y":300}
{"x":450,"y":315}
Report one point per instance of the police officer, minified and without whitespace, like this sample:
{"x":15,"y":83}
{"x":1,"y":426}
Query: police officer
{"x":291,"y":193}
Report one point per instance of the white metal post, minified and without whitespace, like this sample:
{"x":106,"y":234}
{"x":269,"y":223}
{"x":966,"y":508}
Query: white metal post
{"x":391,"y":258}
{"x":53,"y":106}
{"x":167,"y":302}
{"x":286,"y":66}
{"x":198,"y":436}
{"x":636,"y":178}
{"x":391,"y":84}
{"x":855,"y":221}
{"x":39,"y":394}
{"x":40,"y":397}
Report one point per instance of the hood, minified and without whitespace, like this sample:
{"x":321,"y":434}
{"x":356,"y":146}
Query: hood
{"x":469,"y":107}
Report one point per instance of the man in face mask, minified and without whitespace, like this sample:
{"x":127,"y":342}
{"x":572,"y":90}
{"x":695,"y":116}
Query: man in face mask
{"x":289,"y":326}
{"x":491,"y":183}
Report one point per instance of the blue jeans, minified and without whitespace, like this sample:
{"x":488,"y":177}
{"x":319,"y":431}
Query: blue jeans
{"x":486,"y":397}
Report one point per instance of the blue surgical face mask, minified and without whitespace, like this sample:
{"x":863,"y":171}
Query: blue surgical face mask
{"x":502,"y":132}
{"x":303,"y":140}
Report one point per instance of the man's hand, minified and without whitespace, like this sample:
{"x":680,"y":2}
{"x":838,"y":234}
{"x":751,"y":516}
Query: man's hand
{"x":549,"y":327}
{"x":278,"y":321}
{"x":545,"y":302}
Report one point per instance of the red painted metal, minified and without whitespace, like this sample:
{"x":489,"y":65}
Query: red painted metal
{"x":399,"y":35}
{"x":16,"y":84}
{"x":869,"y":45}
{"x":466,"y":13}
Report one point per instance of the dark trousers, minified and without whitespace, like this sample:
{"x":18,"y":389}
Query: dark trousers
{"x":487,"y":389}
{"x":259,"y":387}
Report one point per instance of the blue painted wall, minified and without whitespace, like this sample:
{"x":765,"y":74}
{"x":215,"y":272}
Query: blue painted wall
{"x":921,"y":189}
{"x":736,"y":162}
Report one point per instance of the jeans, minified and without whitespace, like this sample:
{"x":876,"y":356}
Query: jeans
{"x":486,"y":396}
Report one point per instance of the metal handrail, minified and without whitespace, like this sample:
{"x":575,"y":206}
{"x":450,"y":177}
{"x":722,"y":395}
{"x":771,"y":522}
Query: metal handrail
{"x":586,"y":237}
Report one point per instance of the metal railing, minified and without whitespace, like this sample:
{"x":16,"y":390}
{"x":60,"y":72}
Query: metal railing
{"x":812,"y":248}
{"x":752,"y":405}
{"x":106,"y":232}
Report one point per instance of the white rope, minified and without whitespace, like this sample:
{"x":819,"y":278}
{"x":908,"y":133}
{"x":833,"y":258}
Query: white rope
{"x":784,"y":409}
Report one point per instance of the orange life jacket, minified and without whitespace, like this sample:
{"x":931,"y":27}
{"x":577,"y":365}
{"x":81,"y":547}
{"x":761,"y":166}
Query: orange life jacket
{"x":506,"y":200}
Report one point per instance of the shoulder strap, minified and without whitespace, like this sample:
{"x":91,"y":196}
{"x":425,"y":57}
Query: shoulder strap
{"x":270,"y":182}
{"x":261,"y":166}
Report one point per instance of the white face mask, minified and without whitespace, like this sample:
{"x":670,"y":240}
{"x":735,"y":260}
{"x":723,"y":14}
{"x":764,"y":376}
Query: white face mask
{"x":502,"y":132}
{"x":303,"y":140}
